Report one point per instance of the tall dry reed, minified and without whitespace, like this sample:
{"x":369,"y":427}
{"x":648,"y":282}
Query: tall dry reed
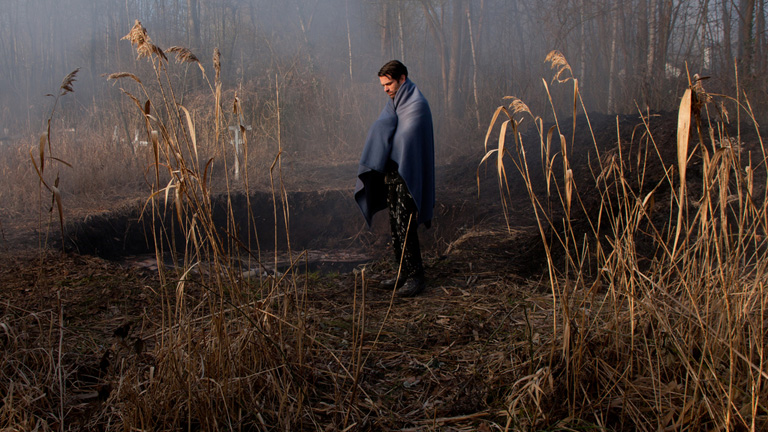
{"x":233,"y":346}
{"x":669,"y":336}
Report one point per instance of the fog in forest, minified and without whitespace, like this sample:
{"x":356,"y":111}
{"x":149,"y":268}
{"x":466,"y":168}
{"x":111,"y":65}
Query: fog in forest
{"x":305,"y":70}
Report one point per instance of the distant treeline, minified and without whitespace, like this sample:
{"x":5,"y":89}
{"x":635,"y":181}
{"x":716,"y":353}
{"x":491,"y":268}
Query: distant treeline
{"x":465,"y":54}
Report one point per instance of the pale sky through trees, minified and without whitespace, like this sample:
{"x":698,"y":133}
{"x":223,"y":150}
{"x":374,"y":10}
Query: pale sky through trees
{"x":626,"y":53}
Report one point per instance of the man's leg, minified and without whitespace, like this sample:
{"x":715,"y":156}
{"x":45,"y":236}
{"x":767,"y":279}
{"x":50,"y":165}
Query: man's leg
{"x":403,"y":216}
{"x":396,"y":232}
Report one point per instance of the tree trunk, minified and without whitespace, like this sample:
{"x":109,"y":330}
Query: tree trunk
{"x":193,"y":24}
{"x":437,"y":32}
{"x":706,"y":46}
{"x":454,"y":58}
{"x":760,"y":42}
{"x":386,"y":35}
{"x":746,"y":28}
{"x":583,"y":37}
{"x":612,"y":64}
{"x":474,"y":66}
{"x":728,"y":54}
{"x":664,"y":28}
{"x":652,"y":32}
{"x":349,"y":38}
{"x":637,"y":73}
{"x":306,"y":22}
{"x":400,"y":31}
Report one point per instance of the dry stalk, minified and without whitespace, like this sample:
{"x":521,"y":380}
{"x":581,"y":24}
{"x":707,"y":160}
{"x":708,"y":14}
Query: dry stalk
{"x":212,"y":351}
{"x":682,"y":326}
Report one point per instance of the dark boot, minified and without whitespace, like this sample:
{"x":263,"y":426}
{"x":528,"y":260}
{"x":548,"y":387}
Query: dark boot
{"x":389,"y":284}
{"x":412,"y":287}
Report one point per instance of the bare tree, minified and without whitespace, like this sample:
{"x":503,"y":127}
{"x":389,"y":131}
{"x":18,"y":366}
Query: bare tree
{"x":474,"y":62}
{"x":653,"y":30}
{"x":193,"y":24}
{"x":612,"y":61}
{"x":446,"y":23}
{"x":727,"y":53}
{"x":385,"y":31}
{"x":746,"y":35}
{"x":349,"y":38}
{"x":760,"y":39}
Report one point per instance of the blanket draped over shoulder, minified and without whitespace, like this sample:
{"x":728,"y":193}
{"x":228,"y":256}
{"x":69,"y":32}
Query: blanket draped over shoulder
{"x":402,"y":133}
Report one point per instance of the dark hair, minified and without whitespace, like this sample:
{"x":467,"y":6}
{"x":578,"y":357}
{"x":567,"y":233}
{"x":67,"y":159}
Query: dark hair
{"x":393,"y":69}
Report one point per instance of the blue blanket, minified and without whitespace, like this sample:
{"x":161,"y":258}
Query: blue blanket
{"x":403,"y":134}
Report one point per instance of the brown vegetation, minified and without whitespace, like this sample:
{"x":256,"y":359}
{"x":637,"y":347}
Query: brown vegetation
{"x":656,"y":263}
{"x":649,"y":313}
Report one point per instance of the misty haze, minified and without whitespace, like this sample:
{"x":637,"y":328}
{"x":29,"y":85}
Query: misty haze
{"x":186,"y":187}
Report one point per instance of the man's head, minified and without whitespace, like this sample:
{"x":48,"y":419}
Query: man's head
{"x":392,"y":75}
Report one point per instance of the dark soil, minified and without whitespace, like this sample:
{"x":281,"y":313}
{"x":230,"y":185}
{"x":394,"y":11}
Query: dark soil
{"x":433,"y":361}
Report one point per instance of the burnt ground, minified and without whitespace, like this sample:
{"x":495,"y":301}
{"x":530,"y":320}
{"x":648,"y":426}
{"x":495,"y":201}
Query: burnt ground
{"x":478,"y":313}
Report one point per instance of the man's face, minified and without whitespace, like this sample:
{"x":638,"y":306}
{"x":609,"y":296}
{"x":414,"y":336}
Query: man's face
{"x":390,"y":85}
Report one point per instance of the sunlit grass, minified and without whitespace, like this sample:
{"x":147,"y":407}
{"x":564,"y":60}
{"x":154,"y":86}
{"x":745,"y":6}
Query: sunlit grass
{"x":672,"y":338}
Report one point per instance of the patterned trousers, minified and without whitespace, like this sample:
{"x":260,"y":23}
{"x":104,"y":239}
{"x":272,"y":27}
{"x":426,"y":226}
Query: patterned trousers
{"x":402,"y":214}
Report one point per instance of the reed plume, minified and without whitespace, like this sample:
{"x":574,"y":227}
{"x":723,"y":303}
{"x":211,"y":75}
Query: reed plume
{"x":140,"y":39}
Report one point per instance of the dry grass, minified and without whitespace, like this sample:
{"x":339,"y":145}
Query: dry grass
{"x":237,"y":353}
{"x":236,"y":336}
{"x":217,"y":343}
{"x":370,"y":363}
{"x":621,"y":339}
{"x":667,"y":339}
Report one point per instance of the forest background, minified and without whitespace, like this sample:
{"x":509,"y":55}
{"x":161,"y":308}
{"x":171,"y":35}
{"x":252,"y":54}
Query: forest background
{"x":320,"y":60}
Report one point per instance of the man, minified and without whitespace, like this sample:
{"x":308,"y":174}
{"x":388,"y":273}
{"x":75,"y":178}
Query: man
{"x":397,"y":170}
